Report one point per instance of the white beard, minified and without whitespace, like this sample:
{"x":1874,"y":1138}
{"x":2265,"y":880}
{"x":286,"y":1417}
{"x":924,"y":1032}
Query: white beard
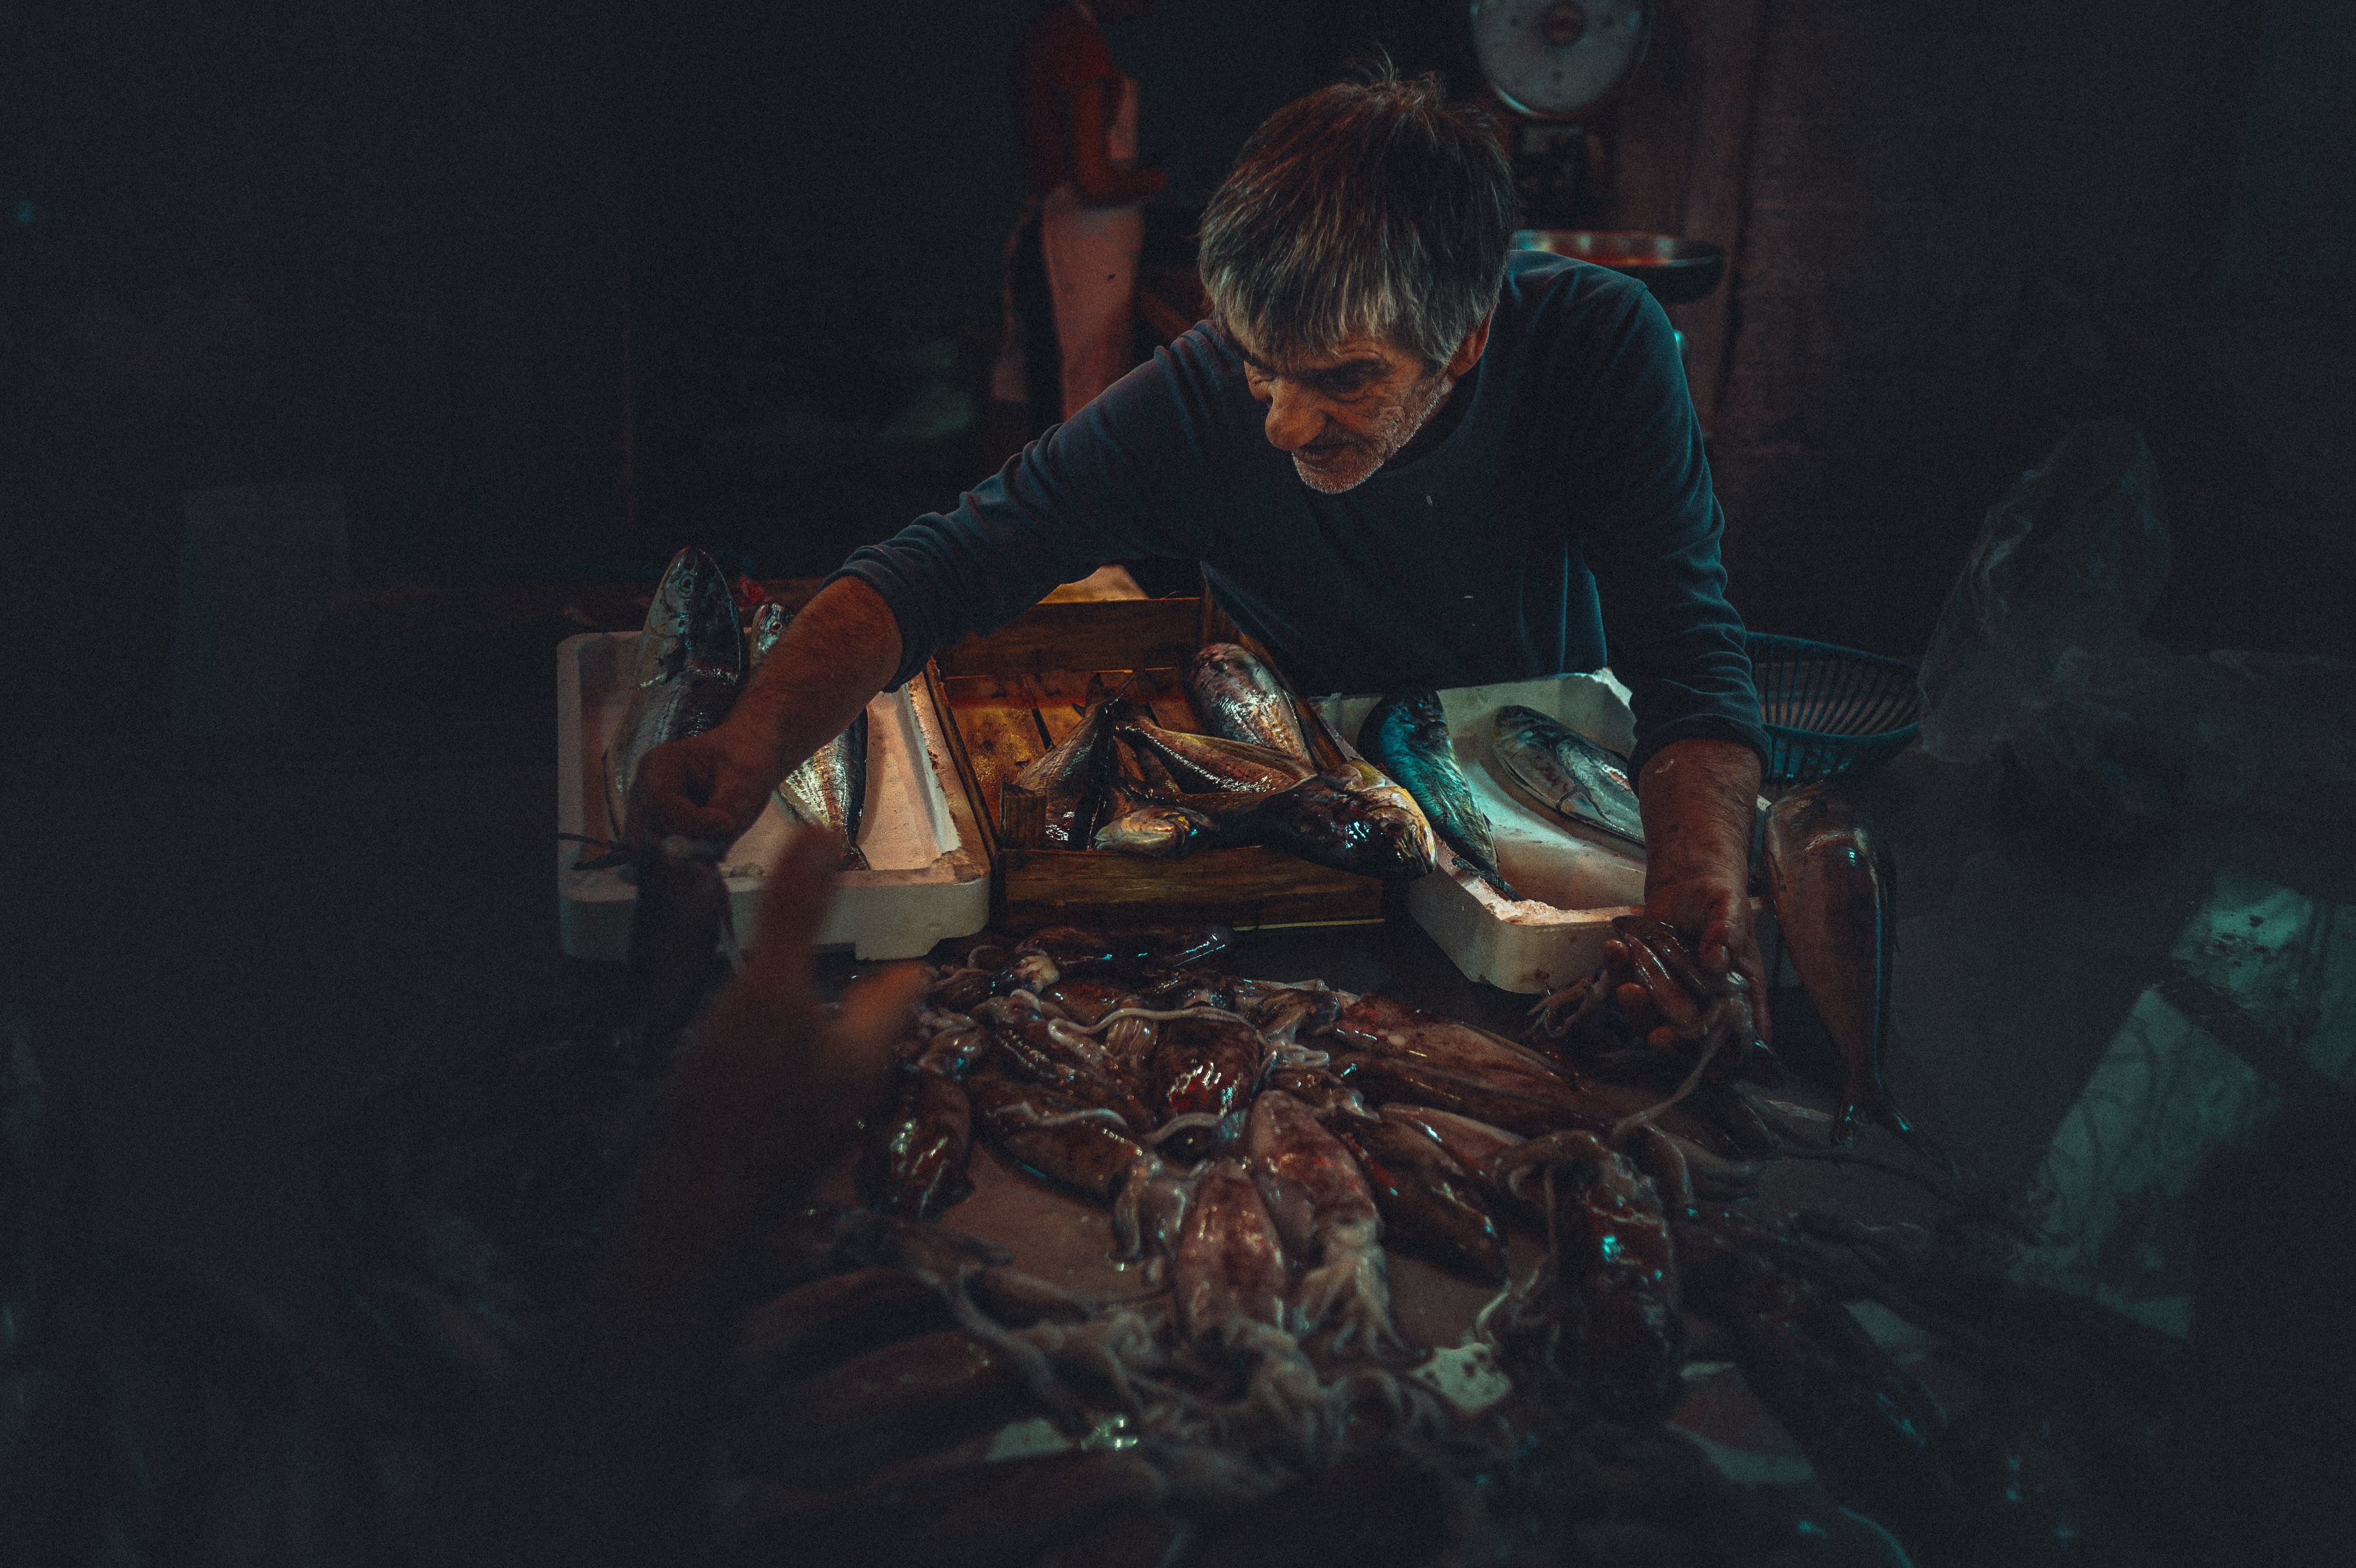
{"x":1386,"y":441}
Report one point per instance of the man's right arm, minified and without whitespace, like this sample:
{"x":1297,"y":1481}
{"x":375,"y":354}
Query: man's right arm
{"x":837,"y":654}
{"x":1131,"y":474}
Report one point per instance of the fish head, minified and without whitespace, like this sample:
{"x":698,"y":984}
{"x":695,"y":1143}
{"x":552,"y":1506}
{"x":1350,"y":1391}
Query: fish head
{"x":1161,"y":830}
{"x":1229,"y":664}
{"x":1392,"y":819}
{"x":693,"y":616}
{"x":769,"y":622}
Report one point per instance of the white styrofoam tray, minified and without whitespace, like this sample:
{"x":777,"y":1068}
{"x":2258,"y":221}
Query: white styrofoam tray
{"x":1574,"y":880}
{"x":929,"y":878}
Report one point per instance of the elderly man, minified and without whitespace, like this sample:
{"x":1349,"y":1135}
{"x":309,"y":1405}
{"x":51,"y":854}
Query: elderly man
{"x":1404,"y":455}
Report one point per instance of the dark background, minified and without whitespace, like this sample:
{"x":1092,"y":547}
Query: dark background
{"x":569,"y":282}
{"x":549,"y":287}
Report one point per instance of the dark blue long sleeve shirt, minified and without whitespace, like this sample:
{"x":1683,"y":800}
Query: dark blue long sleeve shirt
{"x":1566,"y":523}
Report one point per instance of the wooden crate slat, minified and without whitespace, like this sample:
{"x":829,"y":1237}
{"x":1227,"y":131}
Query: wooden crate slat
{"x":997,"y":718}
{"x":1111,"y":633}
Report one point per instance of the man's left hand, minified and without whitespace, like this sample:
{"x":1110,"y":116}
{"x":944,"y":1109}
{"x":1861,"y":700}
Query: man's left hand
{"x":1698,"y":798}
{"x":1715,"y":918}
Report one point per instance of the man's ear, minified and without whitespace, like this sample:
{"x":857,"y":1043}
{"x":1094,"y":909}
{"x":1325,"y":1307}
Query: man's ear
{"x":1467,"y":353}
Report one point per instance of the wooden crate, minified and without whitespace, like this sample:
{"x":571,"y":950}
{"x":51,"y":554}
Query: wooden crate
{"x":1012,"y":695}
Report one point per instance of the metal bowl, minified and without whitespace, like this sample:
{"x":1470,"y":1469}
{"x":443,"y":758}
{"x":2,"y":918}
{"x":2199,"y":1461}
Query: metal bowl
{"x":1678,"y":271}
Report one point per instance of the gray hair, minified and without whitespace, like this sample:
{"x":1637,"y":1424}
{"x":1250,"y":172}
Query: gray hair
{"x":1365,"y":209}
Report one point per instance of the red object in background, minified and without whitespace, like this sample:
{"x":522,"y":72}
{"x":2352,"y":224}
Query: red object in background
{"x":750,"y":595}
{"x":1061,"y":51}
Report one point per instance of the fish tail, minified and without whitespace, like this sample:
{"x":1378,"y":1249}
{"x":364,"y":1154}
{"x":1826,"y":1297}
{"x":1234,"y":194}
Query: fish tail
{"x":855,"y":859}
{"x":1497,"y":881}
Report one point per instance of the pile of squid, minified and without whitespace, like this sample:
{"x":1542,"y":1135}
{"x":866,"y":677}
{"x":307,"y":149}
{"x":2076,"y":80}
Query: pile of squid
{"x":1259,"y":1146}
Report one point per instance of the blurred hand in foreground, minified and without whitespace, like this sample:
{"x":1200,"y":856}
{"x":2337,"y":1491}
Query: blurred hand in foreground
{"x":604,"y":1446}
{"x":774,"y":1080}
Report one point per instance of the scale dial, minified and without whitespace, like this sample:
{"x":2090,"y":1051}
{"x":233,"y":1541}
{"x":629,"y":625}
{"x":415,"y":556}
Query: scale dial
{"x":1555,"y":59}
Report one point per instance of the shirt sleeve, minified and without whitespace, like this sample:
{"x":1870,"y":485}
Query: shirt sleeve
{"x":1126,"y":477}
{"x":1651,"y":538}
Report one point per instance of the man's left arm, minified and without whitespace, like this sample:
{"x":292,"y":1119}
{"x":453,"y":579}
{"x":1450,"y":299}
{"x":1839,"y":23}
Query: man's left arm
{"x":1652,"y":542}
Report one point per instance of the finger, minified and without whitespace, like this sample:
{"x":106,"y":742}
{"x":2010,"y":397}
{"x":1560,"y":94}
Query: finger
{"x":880,"y":1009}
{"x":864,"y":1039}
{"x":1717,"y":940}
{"x":794,"y":905}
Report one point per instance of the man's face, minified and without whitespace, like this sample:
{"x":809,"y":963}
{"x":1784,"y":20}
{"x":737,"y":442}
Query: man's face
{"x":1344,"y":414}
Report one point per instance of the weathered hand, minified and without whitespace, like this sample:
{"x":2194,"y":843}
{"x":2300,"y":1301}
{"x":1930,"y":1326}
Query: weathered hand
{"x":1714,"y":916}
{"x":773,"y":1076}
{"x":709,"y":786}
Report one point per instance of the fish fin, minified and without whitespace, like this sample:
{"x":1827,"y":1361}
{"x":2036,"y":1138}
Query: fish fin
{"x":1506,"y":889}
{"x":855,"y":859}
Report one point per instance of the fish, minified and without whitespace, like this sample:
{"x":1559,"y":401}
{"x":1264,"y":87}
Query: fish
{"x":1352,"y":819}
{"x":1230,"y":1265}
{"x":1164,"y":832}
{"x":1834,"y":892}
{"x":769,"y":622}
{"x":685,"y":672}
{"x":1430,"y":1204}
{"x":1407,"y":736}
{"x":829,"y":792}
{"x":1075,"y":776}
{"x":1236,"y":696}
{"x":1203,"y":764}
{"x":913,"y":1162}
{"x":1325,"y":1215}
{"x":1567,"y":772}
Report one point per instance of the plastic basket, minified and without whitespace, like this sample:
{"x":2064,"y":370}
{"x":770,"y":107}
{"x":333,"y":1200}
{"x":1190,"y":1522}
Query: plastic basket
{"x":1831,"y":710}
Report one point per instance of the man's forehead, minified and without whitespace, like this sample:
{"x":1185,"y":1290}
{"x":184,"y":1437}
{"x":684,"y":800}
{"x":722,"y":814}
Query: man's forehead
{"x":1313,"y":361}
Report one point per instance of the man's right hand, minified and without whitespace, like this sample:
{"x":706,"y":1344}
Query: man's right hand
{"x":836,"y":654}
{"x":709,"y":786}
